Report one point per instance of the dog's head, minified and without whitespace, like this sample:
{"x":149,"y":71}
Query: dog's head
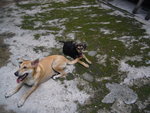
{"x":80,"y":47}
{"x":26,"y":68}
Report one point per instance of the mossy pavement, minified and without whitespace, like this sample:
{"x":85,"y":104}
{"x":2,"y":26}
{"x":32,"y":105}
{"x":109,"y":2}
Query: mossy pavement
{"x":86,"y":19}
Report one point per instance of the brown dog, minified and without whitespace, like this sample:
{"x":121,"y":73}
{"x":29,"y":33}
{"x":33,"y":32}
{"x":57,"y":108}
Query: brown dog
{"x":32,"y":73}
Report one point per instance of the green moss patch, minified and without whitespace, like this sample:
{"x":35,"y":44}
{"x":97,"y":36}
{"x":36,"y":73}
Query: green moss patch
{"x":39,"y":49}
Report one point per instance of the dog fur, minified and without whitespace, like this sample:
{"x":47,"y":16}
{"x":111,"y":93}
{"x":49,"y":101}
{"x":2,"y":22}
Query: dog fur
{"x":75,"y":50}
{"x":33,"y":73}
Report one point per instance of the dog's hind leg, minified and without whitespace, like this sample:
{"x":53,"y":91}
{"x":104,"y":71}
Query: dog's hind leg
{"x":61,"y":71}
{"x":84,"y":64}
{"x":87,"y":59}
{"x":73,"y":61}
{"x":59,"y":68}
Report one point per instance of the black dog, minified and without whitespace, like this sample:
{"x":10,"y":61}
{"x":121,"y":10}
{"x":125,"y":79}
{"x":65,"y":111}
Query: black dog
{"x":75,"y":50}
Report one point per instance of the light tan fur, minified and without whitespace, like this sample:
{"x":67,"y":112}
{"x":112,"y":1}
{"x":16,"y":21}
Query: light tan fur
{"x":40,"y":71}
{"x":83,"y":63}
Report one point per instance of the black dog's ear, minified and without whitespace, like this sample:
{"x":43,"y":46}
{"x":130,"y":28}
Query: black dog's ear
{"x":84,"y":45}
{"x":75,"y":44}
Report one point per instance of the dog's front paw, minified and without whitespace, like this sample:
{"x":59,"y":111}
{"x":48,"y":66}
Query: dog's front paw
{"x":20,"y":103}
{"x":86,"y":65}
{"x":7,"y":95}
{"x":89,"y":62}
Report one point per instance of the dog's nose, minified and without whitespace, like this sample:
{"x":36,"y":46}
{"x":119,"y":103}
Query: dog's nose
{"x":16,"y":73}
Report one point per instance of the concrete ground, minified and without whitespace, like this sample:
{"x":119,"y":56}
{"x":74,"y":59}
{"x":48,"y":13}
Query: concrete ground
{"x":118,"y":46}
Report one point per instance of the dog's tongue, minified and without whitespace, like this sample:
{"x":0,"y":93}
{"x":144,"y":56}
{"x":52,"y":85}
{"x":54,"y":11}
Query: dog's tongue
{"x":21,"y":78}
{"x":18,"y":80}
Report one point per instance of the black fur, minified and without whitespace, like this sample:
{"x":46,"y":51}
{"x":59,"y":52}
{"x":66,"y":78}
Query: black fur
{"x":70,"y":49}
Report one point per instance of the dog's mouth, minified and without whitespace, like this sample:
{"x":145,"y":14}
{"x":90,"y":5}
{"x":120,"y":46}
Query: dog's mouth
{"x":21,"y":78}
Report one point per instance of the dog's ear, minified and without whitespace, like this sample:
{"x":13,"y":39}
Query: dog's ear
{"x":85,"y":45}
{"x":35,"y":63}
{"x":75,"y":44}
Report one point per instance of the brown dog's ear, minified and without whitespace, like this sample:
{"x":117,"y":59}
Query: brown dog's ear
{"x":35,"y":63}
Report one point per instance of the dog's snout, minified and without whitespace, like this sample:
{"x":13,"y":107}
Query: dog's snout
{"x":16,"y":73}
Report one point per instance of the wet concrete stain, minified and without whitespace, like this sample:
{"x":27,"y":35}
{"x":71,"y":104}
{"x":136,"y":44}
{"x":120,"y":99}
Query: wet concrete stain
{"x":4,"y":48}
{"x":3,"y":109}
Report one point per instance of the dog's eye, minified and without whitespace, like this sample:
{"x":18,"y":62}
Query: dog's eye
{"x":20,"y":62}
{"x":24,"y":67}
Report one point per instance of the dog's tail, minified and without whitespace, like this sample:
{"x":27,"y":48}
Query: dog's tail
{"x":73,"y":61}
